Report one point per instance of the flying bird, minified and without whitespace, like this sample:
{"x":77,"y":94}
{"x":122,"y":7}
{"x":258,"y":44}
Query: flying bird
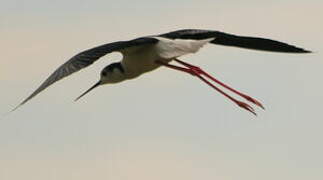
{"x":148,"y":53}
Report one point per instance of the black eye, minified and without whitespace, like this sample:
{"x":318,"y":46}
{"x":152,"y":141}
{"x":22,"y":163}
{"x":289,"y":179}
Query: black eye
{"x":104,"y":73}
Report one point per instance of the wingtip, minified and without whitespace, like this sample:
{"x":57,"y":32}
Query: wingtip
{"x":9,"y":112}
{"x":304,"y":51}
{"x":14,"y":109}
{"x":294,"y":49}
{"x":76,"y":99}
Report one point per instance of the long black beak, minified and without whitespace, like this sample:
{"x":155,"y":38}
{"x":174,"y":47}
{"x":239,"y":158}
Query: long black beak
{"x":94,"y":86}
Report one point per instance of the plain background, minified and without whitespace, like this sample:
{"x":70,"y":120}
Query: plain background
{"x":163,"y":125}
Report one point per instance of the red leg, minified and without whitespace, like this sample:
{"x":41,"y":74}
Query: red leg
{"x":200,"y":71}
{"x":195,"y":73}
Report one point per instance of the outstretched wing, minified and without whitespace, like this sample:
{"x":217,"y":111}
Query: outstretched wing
{"x":226,"y":39}
{"x":85,"y":59}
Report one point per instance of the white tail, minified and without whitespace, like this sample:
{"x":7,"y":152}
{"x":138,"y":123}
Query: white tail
{"x":169,"y":49}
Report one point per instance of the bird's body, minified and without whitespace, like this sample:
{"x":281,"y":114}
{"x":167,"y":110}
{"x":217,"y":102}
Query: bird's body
{"x":140,"y":60}
{"x":148,"y":53}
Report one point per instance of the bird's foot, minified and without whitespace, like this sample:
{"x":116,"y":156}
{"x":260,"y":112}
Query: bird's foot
{"x":195,"y":71}
{"x":246,"y":107}
{"x":254,"y":101}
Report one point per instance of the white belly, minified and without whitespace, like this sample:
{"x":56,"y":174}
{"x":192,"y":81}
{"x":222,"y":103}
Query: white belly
{"x":141,"y":61}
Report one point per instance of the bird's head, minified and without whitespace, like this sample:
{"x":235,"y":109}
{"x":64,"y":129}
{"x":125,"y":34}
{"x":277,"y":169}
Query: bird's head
{"x":112,"y":73}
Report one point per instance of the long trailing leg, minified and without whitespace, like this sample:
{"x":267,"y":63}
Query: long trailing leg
{"x":200,"y":71}
{"x":198,"y":74}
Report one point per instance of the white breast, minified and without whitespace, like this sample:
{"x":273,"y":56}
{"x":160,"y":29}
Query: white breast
{"x":139,"y":61}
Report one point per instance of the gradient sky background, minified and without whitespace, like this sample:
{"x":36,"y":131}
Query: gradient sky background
{"x":164,"y":125}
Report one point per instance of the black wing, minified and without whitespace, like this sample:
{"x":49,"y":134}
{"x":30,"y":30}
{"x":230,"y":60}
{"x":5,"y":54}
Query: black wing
{"x":234,"y":40}
{"x":85,"y":59}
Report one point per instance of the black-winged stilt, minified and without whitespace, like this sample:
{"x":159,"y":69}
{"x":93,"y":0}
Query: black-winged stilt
{"x":148,"y":53}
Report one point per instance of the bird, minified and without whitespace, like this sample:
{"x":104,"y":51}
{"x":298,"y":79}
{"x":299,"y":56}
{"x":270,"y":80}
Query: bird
{"x":147,"y":53}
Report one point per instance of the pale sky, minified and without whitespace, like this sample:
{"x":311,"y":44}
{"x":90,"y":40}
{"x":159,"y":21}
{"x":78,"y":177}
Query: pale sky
{"x":163,"y":125}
